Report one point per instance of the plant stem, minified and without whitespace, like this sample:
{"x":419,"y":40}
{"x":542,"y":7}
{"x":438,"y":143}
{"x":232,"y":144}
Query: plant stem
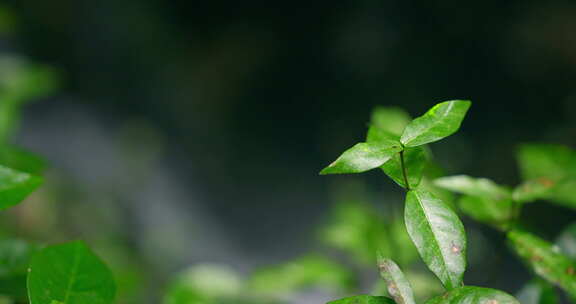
{"x":404,"y":173}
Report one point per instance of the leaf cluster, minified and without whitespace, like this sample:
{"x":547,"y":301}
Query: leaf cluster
{"x":399,"y":150}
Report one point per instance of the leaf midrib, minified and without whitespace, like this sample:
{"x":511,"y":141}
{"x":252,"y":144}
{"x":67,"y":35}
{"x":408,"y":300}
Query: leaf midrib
{"x":435,"y":238}
{"x":73,"y":274}
{"x":433,"y":124}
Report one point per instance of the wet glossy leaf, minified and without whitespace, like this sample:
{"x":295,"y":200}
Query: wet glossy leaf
{"x":70,"y":274}
{"x":438,"y":235}
{"x":363,"y":299}
{"x":15,"y":186}
{"x":545,"y":260}
{"x":415,"y":161}
{"x":538,"y":292}
{"x":397,"y":285}
{"x":474,"y":295}
{"x":363,"y":157}
{"x":440,"y":121}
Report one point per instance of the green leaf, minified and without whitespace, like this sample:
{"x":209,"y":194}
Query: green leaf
{"x":398,"y":286}
{"x":553,"y":166}
{"x":532,"y":190}
{"x":22,"y":81}
{"x":545,"y":260}
{"x":377,"y":135}
{"x":487,"y":211}
{"x":440,"y":121}
{"x":481,"y":187}
{"x":474,"y":295}
{"x":387,"y":124}
{"x":15,"y":186}
{"x":567,"y":241}
{"x":431,"y":173}
{"x":308,"y":271}
{"x":363,"y":299}
{"x":563,"y":193}
{"x":438,"y":235}
{"x":483,"y":200}
{"x":414,"y":160}
{"x":363,"y":157}
{"x":538,"y":292}
{"x":553,"y":162}
{"x":69,"y":273}
{"x":204,"y":283}
{"x":390,"y":119}
{"x":21,"y":160}
{"x":15,"y":257}
{"x":356,"y":228}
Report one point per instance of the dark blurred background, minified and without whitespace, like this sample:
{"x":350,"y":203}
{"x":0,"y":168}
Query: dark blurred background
{"x":205,"y":124}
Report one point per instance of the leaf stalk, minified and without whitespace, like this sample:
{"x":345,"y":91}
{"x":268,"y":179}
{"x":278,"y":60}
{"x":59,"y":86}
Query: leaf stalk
{"x":404,"y":171}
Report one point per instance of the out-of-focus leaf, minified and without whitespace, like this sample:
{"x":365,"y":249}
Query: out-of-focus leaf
{"x":425,"y":285}
{"x":402,"y":249}
{"x":440,"y":121}
{"x":308,"y":271}
{"x":563,"y":193}
{"x":538,"y":292}
{"x":205,"y":283}
{"x":21,"y":80}
{"x":15,"y":186}
{"x":387,"y":124}
{"x":431,"y":173}
{"x":545,"y":260}
{"x":554,"y":166}
{"x":481,"y":187}
{"x":532,"y":190}
{"x":69,"y":273}
{"x":438,"y":235}
{"x":549,"y":161}
{"x":14,"y":261}
{"x":376,"y":135}
{"x":363,"y":299}
{"x":414,"y":161}
{"x":398,"y":286}
{"x":486,"y":210}
{"x":390,"y":119}
{"x":363,"y":157}
{"x":567,"y":241}
{"x":474,"y":295}
{"x":483,"y":200}
{"x":21,"y":160}
{"x":356,"y":228}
